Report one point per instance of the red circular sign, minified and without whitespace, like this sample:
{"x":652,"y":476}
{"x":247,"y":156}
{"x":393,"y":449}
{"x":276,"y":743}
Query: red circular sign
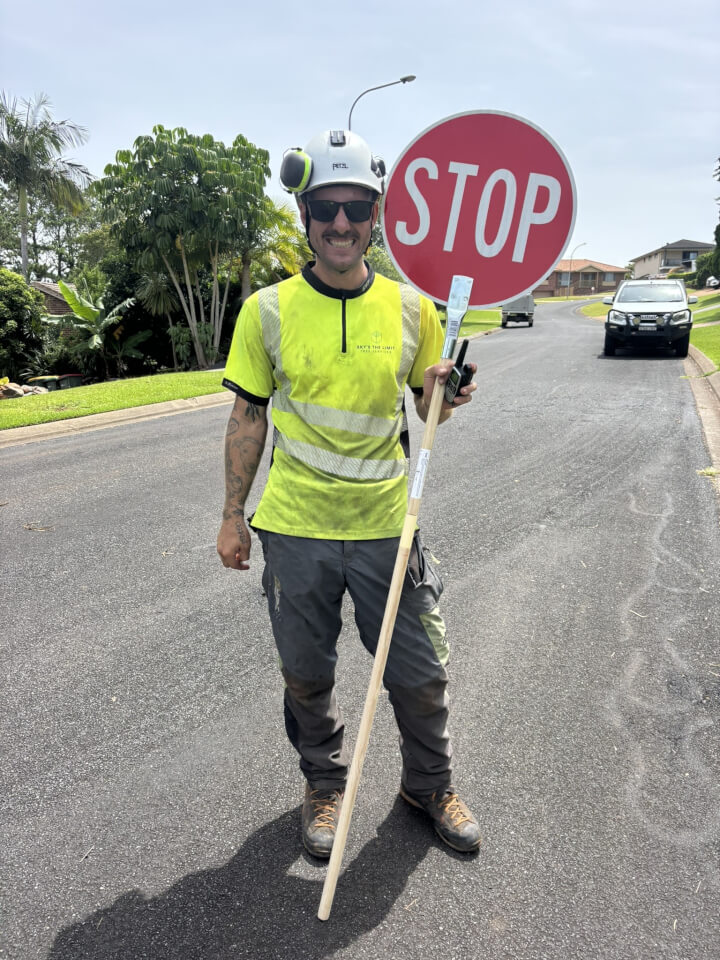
{"x":485,"y":195}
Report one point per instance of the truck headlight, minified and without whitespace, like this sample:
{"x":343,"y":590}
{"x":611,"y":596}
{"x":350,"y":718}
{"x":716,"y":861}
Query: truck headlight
{"x":616,"y":318}
{"x":682,"y":316}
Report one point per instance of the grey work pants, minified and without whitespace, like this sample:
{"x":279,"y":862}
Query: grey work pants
{"x":305,"y":580}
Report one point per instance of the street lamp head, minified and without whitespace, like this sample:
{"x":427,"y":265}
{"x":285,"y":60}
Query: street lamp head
{"x":407,"y":79}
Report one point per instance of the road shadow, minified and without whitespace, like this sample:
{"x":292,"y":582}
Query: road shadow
{"x":641,"y":350}
{"x":255,"y":906}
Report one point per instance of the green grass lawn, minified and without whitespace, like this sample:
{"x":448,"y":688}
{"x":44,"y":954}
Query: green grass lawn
{"x":476,"y":321}
{"x":707,"y":341}
{"x":598,"y":309}
{"x":101,"y":397}
{"x":707,"y":309}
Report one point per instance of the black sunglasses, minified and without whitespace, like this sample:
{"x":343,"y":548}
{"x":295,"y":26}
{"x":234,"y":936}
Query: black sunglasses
{"x":325,"y":211}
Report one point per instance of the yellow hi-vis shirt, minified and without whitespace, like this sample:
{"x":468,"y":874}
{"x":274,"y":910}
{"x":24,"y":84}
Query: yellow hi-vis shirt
{"x":336,"y":364}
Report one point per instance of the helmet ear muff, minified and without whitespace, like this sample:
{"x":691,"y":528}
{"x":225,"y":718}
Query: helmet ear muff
{"x":295,"y":170}
{"x":377,"y":165}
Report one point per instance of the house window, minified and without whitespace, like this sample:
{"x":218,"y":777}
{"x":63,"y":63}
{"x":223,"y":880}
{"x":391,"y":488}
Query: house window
{"x":689,"y":255}
{"x":564,"y":278}
{"x":609,"y":278}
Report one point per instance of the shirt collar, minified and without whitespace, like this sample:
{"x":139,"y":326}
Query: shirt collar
{"x":328,"y":291}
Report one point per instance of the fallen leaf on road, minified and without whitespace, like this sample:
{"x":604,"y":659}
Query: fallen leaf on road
{"x":36,"y":529}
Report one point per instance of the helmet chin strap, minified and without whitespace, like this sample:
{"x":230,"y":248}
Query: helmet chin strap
{"x":307,"y":226}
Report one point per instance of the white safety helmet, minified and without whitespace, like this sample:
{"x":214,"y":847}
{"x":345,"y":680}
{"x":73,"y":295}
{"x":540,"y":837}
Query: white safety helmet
{"x":332,"y":157}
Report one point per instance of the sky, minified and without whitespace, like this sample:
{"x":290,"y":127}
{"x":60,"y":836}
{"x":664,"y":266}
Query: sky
{"x":627,"y":90}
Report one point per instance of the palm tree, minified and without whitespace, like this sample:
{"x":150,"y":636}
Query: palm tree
{"x":31,"y":161}
{"x":279,"y":250}
{"x":156,"y":295}
{"x":123,"y":350}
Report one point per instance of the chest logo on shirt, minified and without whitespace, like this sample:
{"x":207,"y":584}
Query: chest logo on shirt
{"x":376,"y":345}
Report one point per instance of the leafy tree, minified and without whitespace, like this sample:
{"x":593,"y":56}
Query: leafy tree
{"x":377,"y":255}
{"x":381,"y":263}
{"x":90,"y":279}
{"x":21,"y":310}
{"x":58,"y":242}
{"x":92,"y":322}
{"x":9,"y":231}
{"x":180,"y":203}
{"x":708,"y":264}
{"x":280,"y":250}
{"x":62,"y":244}
{"x":95,"y":245}
{"x":31,"y":161}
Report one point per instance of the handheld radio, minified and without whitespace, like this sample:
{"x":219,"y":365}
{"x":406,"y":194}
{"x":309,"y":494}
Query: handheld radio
{"x":460,"y":375}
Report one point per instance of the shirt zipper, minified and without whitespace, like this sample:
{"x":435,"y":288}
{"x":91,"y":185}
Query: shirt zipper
{"x":344,"y":327}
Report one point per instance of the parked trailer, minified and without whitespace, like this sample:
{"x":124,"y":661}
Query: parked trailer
{"x":520,"y":310}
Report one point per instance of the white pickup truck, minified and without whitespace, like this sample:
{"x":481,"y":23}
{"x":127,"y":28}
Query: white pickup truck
{"x":649,"y":312}
{"x":520,"y":310}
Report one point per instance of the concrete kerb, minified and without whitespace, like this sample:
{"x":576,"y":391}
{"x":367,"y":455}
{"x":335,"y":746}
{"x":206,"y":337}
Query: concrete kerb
{"x":708,"y":369}
{"x":100,"y":421}
{"x":113,"y":418}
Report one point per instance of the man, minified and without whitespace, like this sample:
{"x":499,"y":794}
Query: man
{"x":335,"y":348}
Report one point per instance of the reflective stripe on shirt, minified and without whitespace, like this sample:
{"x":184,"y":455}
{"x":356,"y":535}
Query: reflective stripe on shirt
{"x":363,"y":425}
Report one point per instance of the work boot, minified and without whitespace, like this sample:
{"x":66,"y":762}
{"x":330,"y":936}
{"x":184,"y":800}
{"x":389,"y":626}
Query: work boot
{"x":452,"y":820}
{"x":320,"y":813}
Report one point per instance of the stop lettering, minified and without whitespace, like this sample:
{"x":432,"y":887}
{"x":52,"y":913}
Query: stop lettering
{"x":486,"y":195}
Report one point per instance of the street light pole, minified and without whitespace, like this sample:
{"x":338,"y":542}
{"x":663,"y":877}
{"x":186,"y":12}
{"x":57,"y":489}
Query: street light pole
{"x":583,"y":244}
{"x":392,"y":83}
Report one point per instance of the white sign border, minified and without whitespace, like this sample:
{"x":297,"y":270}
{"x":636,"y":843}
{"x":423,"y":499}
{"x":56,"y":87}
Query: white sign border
{"x":548,"y":270}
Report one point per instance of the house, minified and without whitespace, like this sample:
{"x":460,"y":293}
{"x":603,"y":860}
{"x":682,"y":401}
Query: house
{"x":680,"y":255}
{"x":55,"y":304}
{"x":577,"y":277}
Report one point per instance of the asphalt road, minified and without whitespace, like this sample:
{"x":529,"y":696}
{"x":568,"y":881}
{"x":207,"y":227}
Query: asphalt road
{"x":151,"y":803}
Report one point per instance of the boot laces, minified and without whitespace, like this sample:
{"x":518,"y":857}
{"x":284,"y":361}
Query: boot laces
{"x":453,"y":806}
{"x":325,"y":807}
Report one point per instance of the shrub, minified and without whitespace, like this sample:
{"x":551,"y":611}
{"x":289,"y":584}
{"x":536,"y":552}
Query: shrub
{"x":708,"y":265}
{"x":21,"y":310}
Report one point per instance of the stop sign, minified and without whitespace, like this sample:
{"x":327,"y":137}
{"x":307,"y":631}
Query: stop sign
{"x":486,"y":195}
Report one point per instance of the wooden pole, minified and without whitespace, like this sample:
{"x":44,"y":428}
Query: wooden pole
{"x":381,"y":654}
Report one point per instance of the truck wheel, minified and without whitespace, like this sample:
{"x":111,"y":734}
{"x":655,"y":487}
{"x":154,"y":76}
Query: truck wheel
{"x":609,"y":348}
{"x":530,"y":323}
{"x":503,"y":323}
{"x":682,"y":346}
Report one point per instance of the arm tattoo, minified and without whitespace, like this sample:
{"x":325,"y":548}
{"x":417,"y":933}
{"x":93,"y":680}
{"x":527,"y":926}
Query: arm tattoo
{"x":250,"y":451}
{"x":244,"y":444}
